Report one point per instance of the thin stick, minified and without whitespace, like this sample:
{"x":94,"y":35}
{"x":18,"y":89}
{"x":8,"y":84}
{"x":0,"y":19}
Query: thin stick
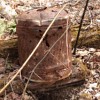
{"x":75,"y":46}
{"x":34,"y":50}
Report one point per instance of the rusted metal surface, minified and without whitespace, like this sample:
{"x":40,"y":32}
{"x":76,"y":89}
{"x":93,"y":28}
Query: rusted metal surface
{"x":31,"y":26}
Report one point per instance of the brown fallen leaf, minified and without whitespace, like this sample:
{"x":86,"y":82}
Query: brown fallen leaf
{"x":13,"y":96}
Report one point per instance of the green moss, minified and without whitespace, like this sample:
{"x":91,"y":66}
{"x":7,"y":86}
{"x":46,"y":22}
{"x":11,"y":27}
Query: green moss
{"x":88,"y":38}
{"x":7,"y":26}
{"x":3,"y":26}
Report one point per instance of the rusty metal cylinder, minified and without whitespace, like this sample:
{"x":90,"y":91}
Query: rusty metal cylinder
{"x":30,"y":28}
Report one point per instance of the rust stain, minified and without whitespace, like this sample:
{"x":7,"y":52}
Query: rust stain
{"x":30,"y":28}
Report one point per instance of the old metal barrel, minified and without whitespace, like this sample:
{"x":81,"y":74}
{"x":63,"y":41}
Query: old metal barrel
{"x":30,"y":28}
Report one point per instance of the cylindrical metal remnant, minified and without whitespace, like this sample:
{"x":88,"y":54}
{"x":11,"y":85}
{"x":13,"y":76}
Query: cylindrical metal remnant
{"x":31,"y":26}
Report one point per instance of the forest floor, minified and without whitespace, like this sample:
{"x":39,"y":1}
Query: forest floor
{"x":88,"y":54}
